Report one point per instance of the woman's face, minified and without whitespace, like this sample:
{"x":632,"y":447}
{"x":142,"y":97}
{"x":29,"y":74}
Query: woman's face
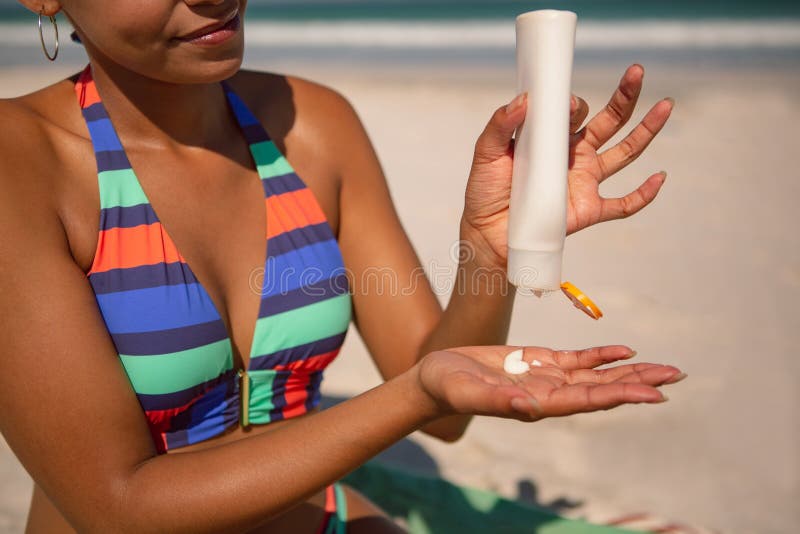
{"x":154,"y":38}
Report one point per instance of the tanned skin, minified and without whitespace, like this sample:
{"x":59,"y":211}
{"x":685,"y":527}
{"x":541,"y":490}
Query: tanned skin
{"x":66,"y":406}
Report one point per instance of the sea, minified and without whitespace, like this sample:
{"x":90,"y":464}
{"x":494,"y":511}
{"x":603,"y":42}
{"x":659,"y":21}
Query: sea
{"x":729,"y":32}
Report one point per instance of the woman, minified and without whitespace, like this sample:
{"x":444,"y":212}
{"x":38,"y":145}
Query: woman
{"x":157,"y":443}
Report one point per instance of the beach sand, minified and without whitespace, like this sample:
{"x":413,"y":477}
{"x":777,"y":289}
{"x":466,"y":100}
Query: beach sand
{"x":707,"y":278}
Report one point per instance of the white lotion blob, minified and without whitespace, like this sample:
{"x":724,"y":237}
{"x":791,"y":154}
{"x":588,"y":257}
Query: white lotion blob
{"x":514,"y":364}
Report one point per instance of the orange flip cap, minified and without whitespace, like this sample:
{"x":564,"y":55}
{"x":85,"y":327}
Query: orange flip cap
{"x":581,"y":301}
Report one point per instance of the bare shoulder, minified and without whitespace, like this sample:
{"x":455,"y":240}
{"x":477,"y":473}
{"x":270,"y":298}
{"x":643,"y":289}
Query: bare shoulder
{"x":36,"y":146}
{"x":303,"y":112}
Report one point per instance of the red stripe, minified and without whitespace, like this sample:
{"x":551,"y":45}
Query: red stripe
{"x":292,"y":210}
{"x":121,"y":248}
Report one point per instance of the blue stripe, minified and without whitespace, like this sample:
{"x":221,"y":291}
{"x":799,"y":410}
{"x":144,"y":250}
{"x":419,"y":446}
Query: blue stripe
{"x":300,"y":352}
{"x":244,"y":115}
{"x":144,"y":276}
{"x":172,"y":340}
{"x":316,"y":262}
{"x":303,"y":296}
{"x":157,"y":308}
{"x":103,"y":135}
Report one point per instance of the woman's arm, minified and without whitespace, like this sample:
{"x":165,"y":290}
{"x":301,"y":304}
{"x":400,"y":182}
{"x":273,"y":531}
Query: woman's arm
{"x":68,"y":412}
{"x":399,"y":325}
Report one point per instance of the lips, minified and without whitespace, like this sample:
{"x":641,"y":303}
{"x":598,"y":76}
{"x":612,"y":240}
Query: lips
{"x":227,"y":23}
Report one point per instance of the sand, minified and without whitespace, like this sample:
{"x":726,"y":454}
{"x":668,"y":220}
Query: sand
{"x":707,"y":278}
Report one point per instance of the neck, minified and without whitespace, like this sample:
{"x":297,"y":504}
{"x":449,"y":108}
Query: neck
{"x":156,"y":114}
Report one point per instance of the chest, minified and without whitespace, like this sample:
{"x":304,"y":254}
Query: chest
{"x":214,"y":209}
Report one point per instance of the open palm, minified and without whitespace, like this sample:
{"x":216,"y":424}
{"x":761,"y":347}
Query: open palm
{"x":489,"y":187}
{"x":471,"y":380}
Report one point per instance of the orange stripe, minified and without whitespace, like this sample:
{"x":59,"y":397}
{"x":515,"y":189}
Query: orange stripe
{"x":121,"y":248}
{"x":87,"y":90}
{"x":295,"y":209}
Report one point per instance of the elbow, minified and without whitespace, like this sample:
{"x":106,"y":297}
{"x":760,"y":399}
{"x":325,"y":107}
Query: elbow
{"x":449,"y":435}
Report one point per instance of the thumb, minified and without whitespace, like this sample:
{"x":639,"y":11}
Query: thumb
{"x":495,"y":140}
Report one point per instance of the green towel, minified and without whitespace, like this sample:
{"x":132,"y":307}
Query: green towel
{"x":434,"y":506}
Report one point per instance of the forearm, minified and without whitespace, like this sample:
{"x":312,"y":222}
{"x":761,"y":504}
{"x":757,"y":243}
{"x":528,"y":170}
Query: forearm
{"x":239,"y":485}
{"x":478,"y":313}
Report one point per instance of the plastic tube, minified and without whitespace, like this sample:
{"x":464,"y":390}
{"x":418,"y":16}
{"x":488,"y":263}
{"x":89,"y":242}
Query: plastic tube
{"x":537,"y":224}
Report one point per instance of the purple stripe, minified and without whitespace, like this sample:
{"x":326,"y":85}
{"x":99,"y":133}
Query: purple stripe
{"x":112,"y":160}
{"x":95,"y":112}
{"x":312,"y":389}
{"x":171,"y":340}
{"x":255,"y":133}
{"x":299,"y":237}
{"x":220,"y":417}
{"x":303,"y":296}
{"x":279,"y":395}
{"x":142,"y":277}
{"x":285,"y":183}
{"x":169,"y":401}
{"x":300,"y":352}
{"x":128,"y":217}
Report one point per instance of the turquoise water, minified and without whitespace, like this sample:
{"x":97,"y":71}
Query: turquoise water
{"x":494,"y":9}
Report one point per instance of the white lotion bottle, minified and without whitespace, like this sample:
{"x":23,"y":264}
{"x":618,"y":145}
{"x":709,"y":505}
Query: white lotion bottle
{"x":537,"y":223}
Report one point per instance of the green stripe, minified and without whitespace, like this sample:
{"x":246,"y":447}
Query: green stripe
{"x":120,"y":189}
{"x":302,"y":325}
{"x":269,"y":161}
{"x":261,"y":395}
{"x":176,"y":371}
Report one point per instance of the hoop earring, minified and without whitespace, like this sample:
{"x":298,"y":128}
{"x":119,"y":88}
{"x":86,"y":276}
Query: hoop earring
{"x":41,"y":35}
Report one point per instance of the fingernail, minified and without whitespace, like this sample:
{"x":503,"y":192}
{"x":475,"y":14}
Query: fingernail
{"x":631,"y":355}
{"x":677,"y":378}
{"x":663,"y":176}
{"x":664,"y":397}
{"x":515,"y":104}
{"x":670,"y":100}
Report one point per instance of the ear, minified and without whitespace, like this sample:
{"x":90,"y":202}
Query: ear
{"x":45,"y":7}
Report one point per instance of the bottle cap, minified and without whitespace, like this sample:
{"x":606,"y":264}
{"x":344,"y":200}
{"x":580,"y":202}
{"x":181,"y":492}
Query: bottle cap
{"x":581,"y":301}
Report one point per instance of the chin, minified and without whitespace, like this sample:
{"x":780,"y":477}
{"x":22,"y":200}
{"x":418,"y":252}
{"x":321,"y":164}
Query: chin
{"x":200,"y":70}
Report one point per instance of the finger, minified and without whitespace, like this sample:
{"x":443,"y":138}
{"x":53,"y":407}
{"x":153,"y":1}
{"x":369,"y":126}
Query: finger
{"x":582,"y":398}
{"x":578,"y":112}
{"x":594,"y":357}
{"x":619,"y":109}
{"x":619,"y":208}
{"x":642,"y":373}
{"x":495,"y":140}
{"x":630,"y":148}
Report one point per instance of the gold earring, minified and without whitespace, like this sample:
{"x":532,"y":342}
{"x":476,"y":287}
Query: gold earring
{"x":41,"y":35}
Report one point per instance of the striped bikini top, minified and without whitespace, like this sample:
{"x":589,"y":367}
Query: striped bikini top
{"x":168,"y":333}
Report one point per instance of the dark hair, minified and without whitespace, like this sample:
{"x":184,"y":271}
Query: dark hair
{"x":75,"y":38}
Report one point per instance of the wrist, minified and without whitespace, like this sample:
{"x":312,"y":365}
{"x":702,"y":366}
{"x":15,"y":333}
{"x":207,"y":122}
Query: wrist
{"x":427,"y":407}
{"x":482,"y":270}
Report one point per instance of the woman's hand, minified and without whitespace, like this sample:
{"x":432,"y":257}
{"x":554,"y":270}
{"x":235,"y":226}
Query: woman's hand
{"x":485,"y":219}
{"x":471,"y":380}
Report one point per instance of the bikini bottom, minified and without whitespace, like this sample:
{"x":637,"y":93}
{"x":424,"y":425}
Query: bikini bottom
{"x":335,"y":521}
